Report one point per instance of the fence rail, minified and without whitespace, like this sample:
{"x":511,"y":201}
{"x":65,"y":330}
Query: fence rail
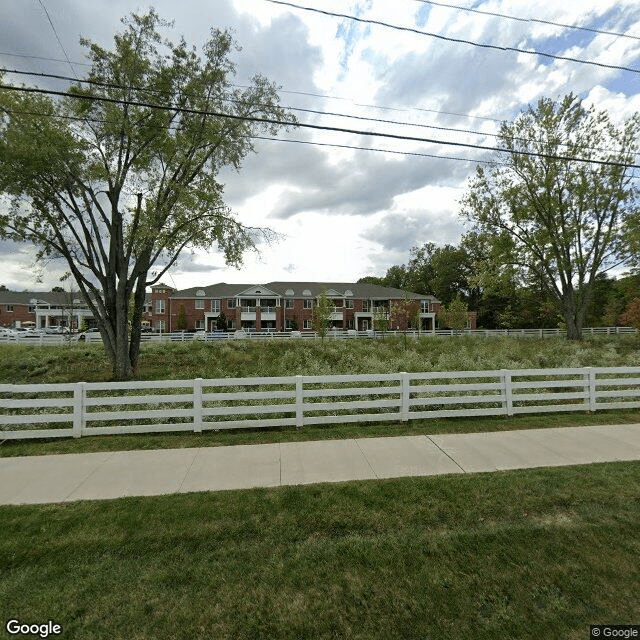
{"x":99,"y":408}
{"x":213,"y":336}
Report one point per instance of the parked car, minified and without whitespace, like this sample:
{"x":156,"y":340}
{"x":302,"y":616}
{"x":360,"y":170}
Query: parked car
{"x":56,"y":330}
{"x":211,"y":335}
{"x":32,"y":333}
{"x":82,"y":336}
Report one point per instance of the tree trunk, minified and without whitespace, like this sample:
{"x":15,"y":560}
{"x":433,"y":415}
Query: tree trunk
{"x":136,"y":323}
{"x":573,"y":317}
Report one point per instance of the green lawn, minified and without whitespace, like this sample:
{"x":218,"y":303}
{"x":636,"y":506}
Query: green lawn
{"x":537,"y":553}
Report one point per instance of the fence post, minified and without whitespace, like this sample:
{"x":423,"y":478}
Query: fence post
{"x":197,"y":405}
{"x":590,"y":383}
{"x":507,"y":391}
{"x":79,"y":393}
{"x":299,"y":403}
{"x":405,"y":394}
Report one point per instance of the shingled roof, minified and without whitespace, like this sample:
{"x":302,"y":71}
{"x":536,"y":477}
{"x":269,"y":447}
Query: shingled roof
{"x":359,"y":290}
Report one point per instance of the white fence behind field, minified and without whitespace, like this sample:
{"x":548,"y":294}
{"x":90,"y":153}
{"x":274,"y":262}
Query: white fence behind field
{"x":186,"y":336}
{"x":99,"y":408}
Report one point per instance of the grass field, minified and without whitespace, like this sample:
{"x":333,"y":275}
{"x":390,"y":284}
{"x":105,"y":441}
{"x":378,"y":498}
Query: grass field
{"x":238,"y":358}
{"x":522,"y":554}
{"x":246,"y":358}
{"x":529,"y":554}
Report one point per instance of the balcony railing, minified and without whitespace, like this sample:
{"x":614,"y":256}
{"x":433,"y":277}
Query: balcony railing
{"x":248,"y":309}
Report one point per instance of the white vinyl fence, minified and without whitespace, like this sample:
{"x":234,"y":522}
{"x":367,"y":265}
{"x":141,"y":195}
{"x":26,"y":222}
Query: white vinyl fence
{"x":42,"y":339}
{"x":98,"y":408}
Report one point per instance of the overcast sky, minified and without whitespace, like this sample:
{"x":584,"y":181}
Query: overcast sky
{"x":343,"y":213}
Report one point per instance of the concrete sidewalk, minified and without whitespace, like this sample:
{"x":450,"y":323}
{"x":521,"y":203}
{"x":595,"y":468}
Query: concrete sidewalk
{"x":95,"y":476}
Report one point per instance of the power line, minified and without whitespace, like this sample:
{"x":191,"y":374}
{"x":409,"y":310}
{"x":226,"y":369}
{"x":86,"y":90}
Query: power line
{"x":57,"y":36}
{"x":156,"y":92}
{"x":402,"y":153}
{"x":457,"y":40}
{"x":301,"y":93}
{"x":311,"y":126}
{"x":530,"y":20}
{"x":308,"y":142}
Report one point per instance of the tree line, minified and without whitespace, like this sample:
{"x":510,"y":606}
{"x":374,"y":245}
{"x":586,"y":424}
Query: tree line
{"x":549,"y":219}
{"x":451,"y":271}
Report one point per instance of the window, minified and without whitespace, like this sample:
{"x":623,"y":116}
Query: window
{"x":231,"y":325}
{"x":306,"y":324}
{"x":159,"y":306}
{"x":288,"y":324}
{"x":8,"y":307}
{"x":231,"y":303}
{"x":215,"y":306}
{"x":424,"y":306}
{"x":160,"y":325}
{"x":288,"y":303}
{"x":365,"y":306}
{"x":308,"y":304}
{"x":348,"y":304}
{"x":159,"y":290}
{"x":351,"y":324}
{"x":199,"y":324}
{"x":199,"y":304}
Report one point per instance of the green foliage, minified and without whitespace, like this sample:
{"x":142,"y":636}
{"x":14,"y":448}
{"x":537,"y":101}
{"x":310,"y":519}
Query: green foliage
{"x":321,"y":314}
{"x":119,"y":189}
{"x":221,"y":322}
{"x":181,"y":322}
{"x":380,"y":319}
{"x":454,"y":316}
{"x":557,"y":222}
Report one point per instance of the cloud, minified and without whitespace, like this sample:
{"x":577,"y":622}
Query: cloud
{"x":399,"y":232}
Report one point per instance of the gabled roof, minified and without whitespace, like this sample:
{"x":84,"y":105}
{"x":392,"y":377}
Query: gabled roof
{"x":257,"y":290}
{"x":353,"y":290}
{"x":53,"y":298}
{"x":219,"y":290}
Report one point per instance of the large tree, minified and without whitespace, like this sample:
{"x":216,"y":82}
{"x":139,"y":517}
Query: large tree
{"x":118,"y":176}
{"x":557,"y":200}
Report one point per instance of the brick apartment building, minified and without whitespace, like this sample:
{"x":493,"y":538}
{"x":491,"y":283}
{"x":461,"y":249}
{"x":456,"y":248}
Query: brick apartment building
{"x":42,"y":309}
{"x":275,"y":306}
{"x":278,"y":306}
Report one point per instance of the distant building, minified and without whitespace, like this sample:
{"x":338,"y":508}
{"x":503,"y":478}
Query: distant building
{"x":275,"y":306}
{"x":41,"y":309}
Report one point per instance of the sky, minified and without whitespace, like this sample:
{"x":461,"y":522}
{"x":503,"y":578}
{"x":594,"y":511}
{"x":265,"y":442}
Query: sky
{"x":341,"y":213}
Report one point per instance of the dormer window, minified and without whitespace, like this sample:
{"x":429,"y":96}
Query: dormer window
{"x":200,"y":292}
{"x":306,"y":292}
